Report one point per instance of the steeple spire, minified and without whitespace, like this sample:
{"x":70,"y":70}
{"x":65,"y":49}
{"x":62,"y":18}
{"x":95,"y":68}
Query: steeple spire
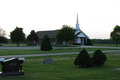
{"x":77,"y":24}
{"x":77,"y":18}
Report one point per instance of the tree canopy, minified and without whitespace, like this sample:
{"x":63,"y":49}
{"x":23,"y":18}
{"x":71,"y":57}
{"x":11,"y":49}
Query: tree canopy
{"x":66,"y":33}
{"x":115,"y":34}
{"x":32,"y":36}
{"x":3,"y":39}
{"x":2,"y":32}
{"x":17,"y":35}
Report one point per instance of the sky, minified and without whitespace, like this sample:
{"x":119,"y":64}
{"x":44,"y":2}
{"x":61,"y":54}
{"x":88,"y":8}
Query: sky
{"x":97,"y":18}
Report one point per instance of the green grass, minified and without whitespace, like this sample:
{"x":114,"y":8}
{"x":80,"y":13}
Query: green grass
{"x":12,"y":45}
{"x":107,"y":45}
{"x":38,"y":51}
{"x":64,"y":69}
{"x":25,"y":45}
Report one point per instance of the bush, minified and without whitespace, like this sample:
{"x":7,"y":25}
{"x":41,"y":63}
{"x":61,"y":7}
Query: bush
{"x":46,"y":43}
{"x":83,"y":59}
{"x":89,"y":42}
{"x":76,"y":43}
{"x":102,"y":57}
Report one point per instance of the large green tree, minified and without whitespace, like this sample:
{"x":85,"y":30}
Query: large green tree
{"x":115,"y":34}
{"x":32,"y":37}
{"x":17,"y":35}
{"x":66,"y":34}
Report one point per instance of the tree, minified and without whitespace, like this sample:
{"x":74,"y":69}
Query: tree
{"x":115,"y":34}
{"x":2,"y":32}
{"x":103,"y":41}
{"x":46,"y":43}
{"x":17,"y":35}
{"x":32,"y":37}
{"x":89,"y":42}
{"x":66,"y":33}
{"x":3,"y":39}
{"x":102,"y":57}
{"x":83,"y":59}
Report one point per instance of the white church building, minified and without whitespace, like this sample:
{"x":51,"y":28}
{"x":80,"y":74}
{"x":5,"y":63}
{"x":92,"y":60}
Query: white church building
{"x":81,"y":36}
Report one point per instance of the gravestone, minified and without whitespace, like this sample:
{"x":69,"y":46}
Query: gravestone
{"x":48,"y":61}
{"x":11,"y":67}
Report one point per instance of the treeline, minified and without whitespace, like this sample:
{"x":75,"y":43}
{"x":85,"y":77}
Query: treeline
{"x":103,"y":41}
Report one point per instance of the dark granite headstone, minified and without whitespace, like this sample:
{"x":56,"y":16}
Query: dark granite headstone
{"x":48,"y":61}
{"x":11,"y":67}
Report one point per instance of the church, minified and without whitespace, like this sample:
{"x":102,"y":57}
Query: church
{"x":81,"y":36}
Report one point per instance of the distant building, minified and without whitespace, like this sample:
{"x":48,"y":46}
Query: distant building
{"x":81,"y":36}
{"x":51,"y":34}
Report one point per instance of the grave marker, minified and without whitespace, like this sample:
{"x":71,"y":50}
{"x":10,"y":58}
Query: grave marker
{"x":11,"y":67}
{"x":48,"y":61}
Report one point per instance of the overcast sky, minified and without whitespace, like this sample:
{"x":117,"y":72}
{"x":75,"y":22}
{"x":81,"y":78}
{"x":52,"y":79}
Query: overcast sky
{"x":97,"y":18}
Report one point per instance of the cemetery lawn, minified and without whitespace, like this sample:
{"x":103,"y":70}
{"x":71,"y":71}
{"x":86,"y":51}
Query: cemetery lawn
{"x":64,"y":69}
{"x":38,"y":51}
{"x":107,"y":45}
{"x":25,"y":45}
{"x":12,"y":45}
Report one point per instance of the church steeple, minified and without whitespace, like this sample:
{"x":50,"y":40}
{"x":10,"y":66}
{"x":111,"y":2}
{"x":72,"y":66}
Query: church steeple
{"x":77,"y":24}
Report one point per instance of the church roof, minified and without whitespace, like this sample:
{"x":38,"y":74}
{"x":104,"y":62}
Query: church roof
{"x":78,"y":33}
{"x":81,"y":32}
{"x":51,"y":33}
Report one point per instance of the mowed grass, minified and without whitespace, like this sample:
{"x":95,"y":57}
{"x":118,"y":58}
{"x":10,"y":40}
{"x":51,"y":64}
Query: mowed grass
{"x":25,"y":45}
{"x":12,"y":45}
{"x":38,"y":51}
{"x":107,"y":45}
{"x":64,"y":69}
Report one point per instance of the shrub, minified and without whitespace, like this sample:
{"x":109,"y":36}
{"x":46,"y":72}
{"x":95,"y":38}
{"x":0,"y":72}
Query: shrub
{"x":83,"y":59}
{"x":46,"y":43}
{"x":89,"y":42}
{"x":76,"y":43}
{"x":102,"y":57}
